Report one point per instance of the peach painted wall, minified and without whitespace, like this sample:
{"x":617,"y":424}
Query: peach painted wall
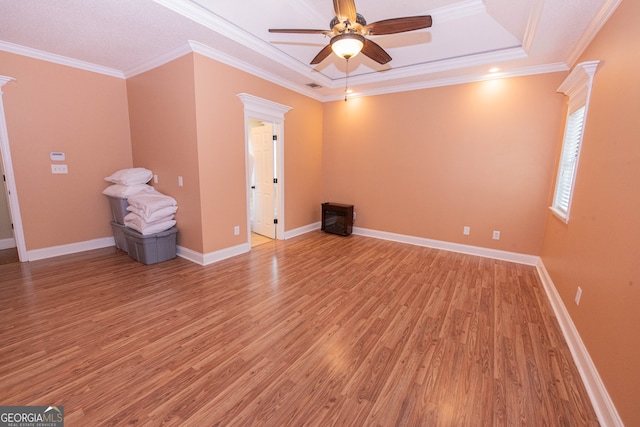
{"x":427,"y":163}
{"x":221,"y":152}
{"x":598,"y":249}
{"x":164,"y":139}
{"x":186,"y":119}
{"x":52,"y":107}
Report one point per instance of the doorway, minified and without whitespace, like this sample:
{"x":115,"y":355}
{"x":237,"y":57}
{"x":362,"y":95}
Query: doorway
{"x":263,"y":181}
{"x":9,"y":187}
{"x":8,"y":249}
{"x":6,"y":231}
{"x":260,"y":112}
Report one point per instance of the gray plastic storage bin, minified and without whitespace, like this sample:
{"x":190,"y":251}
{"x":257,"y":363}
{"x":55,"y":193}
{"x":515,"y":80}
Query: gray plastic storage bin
{"x":118,"y":208}
{"x":119,"y":236}
{"x":152,"y":248}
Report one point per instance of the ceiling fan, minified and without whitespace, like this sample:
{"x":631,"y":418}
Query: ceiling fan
{"x":349,"y":28}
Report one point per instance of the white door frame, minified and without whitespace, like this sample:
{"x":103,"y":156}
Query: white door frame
{"x":12,"y":192}
{"x":267,"y":111}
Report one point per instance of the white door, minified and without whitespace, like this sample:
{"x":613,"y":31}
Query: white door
{"x":263,"y":194}
{"x":6,"y":231}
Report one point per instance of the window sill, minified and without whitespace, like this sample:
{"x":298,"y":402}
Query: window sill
{"x":564,"y":217}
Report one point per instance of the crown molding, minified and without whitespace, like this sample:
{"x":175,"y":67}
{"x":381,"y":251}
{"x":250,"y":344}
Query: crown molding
{"x":211,"y":53}
{"x":4,"y":80}
{"x":157,"y":61}
{"x":223,"y":27}
{"x":59,"y":59}
{"x":594,"y":27}
{"x":532,"y":24}
{"x":216,"y":55}
{"x":457,"y":11}
{"x":521,"y":72}
{"x":508,"y":54}
{"x":209,"y":19}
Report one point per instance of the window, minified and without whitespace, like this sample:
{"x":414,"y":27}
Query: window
{"x":578,"y":88}
{"x":568,"y":161}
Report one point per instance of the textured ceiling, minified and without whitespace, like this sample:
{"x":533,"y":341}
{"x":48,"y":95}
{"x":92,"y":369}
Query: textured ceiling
{"x":125,"y":37}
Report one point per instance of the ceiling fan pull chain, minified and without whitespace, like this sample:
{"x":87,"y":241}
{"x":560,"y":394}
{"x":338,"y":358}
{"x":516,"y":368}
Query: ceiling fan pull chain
{"x":346,"y":81}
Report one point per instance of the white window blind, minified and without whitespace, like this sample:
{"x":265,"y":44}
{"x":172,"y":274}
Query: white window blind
{"x":578,"y":88}
{"x":569,"y":160}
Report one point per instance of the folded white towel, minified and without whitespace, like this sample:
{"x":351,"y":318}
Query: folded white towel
{"x":149,"y":202}
{"x":156,"y":227}
{"x":134,"y":220}
{"x":153,"y":216}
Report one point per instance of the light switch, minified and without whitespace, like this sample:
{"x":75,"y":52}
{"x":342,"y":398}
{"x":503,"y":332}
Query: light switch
{"x":59,"y":169}
{"x":179,"y":181}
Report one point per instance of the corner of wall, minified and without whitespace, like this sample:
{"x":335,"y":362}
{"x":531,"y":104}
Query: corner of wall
{"x":600,"y":399}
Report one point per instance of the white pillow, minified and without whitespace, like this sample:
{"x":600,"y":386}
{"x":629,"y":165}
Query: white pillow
{"x":124,"y":191}
{"x":131,"y":176}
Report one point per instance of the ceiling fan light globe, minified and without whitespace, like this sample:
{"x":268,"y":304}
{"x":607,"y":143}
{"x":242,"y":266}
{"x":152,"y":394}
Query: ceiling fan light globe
{"x":348,"y":45}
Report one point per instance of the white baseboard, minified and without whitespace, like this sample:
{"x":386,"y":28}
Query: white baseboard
{"x":212,"y":257}
{"x":72,"y":248}
{"x":600,"y":399}
{"x":301,"y":230}
{"x":7,"y":243}
{"x":190,"y":255}
{"x":448,"y":246}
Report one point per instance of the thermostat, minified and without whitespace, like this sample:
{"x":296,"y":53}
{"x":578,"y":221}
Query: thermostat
{"x":56,"y":156}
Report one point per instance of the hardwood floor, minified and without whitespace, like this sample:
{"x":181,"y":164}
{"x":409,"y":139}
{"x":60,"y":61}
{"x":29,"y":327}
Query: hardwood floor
{"x":318,"y":330}
{"x":258,"y":239}
{"x":8,"y":256}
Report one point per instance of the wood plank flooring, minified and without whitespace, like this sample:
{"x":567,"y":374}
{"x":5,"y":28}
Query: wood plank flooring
{"x":319,"y":330}
{"x":8,"y":256}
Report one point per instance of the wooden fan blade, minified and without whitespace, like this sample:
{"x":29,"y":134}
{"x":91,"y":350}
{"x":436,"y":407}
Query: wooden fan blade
{"x":345,"y":10}
{"x":295,"y":31}
{"x":375,"y":52}
{"x":399,"y":25}
{"x":326,"y":51}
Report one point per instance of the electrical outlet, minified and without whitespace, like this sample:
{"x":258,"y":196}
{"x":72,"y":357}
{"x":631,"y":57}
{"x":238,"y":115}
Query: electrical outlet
{"x":58,"y":169}
{"x":578,"y":295}
{"x":236,"y":230}
{"x":155,"y":179}
{"x":466,"y":230}
{"x":496,"y":235}
{"x":180,"y":182}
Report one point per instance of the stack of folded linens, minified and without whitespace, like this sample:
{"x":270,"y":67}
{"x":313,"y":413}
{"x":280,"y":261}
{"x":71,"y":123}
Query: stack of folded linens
{"x":150,"y":212}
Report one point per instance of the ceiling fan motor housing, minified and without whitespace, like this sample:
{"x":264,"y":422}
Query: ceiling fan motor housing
{"x":359,"y":20}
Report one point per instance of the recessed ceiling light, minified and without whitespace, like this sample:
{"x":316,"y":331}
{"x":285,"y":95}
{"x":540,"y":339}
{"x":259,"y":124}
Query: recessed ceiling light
{"x":494,"y":70}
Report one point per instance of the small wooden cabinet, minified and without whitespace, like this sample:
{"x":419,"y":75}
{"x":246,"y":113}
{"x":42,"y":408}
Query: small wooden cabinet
{"x":337,"y":218}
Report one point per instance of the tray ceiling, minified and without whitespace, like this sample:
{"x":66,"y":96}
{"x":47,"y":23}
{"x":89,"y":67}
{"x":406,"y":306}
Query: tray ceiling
{"x":469,"y":37}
